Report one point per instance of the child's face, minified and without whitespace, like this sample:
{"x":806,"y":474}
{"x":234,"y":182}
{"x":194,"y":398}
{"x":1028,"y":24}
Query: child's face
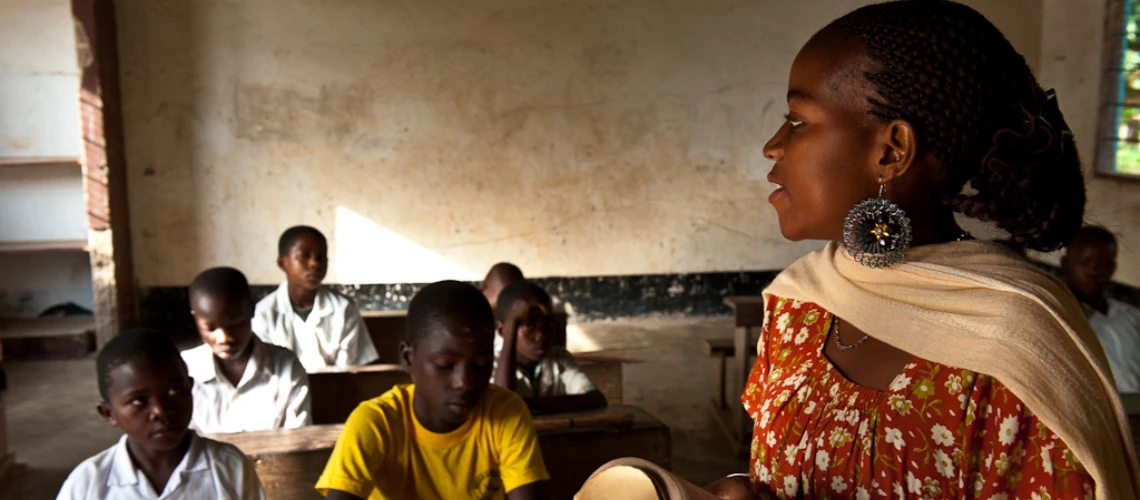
{"x":306,"y":263}
{"x":451,"y":368}
{"x":534,"y":332}
{"x":223,"y":325}
{"x":150,"y":401}
{"x":1088,"y":266}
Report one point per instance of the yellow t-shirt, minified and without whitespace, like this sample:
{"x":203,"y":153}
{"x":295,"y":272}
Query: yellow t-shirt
{"x":384,"y":453}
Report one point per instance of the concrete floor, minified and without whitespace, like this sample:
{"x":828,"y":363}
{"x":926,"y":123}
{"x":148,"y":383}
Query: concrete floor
{"x":52,"y":424}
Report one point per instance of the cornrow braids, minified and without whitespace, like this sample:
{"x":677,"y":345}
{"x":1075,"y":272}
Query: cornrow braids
{"x":977,"y":108}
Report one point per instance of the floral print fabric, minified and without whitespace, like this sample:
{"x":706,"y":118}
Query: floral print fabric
{"x":938,"y":432}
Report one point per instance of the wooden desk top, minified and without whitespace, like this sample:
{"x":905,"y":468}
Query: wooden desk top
{"x":14,"y":328}
{"x":323,"y":437}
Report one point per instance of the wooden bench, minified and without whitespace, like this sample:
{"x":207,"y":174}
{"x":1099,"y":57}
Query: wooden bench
{"x":387,"y":331}
{"x":68,"y":337}
{"x":290,"y":461}
{"x":337,"y":391}
{"x":721,"y":350}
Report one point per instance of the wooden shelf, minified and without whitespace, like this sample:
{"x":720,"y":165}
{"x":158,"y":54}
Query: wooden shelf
{"x":43,"y":246}
{"x":16,"y":161}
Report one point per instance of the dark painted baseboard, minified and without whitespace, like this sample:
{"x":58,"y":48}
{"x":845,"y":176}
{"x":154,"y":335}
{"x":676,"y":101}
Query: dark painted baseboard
{"x":590,"y":298}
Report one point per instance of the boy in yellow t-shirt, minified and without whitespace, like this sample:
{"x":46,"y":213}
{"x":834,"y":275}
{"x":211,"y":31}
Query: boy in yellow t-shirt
{"x":449,"y":434}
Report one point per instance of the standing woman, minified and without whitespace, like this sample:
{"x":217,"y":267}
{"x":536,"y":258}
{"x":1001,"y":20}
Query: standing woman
{"x":907,"y":358}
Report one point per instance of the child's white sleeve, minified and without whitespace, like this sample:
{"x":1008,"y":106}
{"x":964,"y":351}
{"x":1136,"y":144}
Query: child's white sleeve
{"x":573,"y":378}
{"x":299,"y":412}
{"x":250,"y":487}
{"x":356,"y":345}
{"x":77,"y":483}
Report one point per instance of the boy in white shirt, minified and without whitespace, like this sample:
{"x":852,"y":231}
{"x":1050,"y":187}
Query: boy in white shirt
{"x":545,"y":375}
{"x":1089,"y":264}
{"x":240,"y":383}
{"x":321,"y":326}
{"x":146,"y":393}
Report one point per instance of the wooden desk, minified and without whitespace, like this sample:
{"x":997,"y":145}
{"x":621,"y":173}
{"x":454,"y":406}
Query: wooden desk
{"x":289,"y":462}
{"x":68,"y":337}
{"x":387,"y":331}
{"x":749,"y":315}
{"x":337,"y":391}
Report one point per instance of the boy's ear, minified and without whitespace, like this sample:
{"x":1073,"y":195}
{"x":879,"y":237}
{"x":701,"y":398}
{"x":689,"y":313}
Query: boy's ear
{"x":406,"y":356}
{"x":281,"y":262}
{"x":104,"y":411}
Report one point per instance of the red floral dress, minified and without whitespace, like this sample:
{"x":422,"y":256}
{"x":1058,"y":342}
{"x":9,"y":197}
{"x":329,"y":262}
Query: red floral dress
{"x":939,"y":432}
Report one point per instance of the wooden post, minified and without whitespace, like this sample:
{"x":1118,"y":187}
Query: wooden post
{"x":104,"y":168}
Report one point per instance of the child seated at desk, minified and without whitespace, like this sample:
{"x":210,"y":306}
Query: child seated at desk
{"x":240,"y":383}
{"x":1089,"y":264}
{"x":322,"y":326}
{"x":146,"y":393}
{"x":545,"y":375}
{"x":450,"y":434}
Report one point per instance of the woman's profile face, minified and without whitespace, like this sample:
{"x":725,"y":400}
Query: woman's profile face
{"x":825,"y":152}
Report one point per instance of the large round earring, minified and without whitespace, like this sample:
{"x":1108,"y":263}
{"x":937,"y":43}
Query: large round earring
{"x":877,"y":232}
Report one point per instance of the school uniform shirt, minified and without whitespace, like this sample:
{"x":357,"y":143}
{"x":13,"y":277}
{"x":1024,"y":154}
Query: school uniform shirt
{"x":333,"y":334}
{"x":1119,"y":333}
{"x":209,"y":469}
{"x":556,"y":375}
{"x":384,"y":453}
{"x":273,"y":393}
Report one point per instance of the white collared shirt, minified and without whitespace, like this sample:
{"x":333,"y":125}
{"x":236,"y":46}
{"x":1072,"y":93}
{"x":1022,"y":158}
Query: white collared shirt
{"x":333,"y":335}
{"x":209,"y":469}
{"x":556,"y":375}
{"x":1119,"y":334}
{"x":273,"y":393}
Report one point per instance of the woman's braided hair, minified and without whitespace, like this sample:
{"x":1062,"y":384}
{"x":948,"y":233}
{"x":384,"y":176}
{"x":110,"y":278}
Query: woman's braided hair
{"x":976,"y":107}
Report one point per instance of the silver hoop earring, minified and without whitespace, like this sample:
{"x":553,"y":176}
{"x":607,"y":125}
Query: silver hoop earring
{"x":877,"y":232}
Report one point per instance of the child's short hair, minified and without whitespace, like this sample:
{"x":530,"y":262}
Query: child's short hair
{"x":438,"y":303}
{"x":519,"y":291}
{"x":507,"y":272}
{"x":223,"y":282}
{"x":131,"y":345}
{"x":1095,"y":234}
{"x":289,"y":238}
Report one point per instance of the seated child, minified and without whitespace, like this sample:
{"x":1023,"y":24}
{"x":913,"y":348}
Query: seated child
{"x":546,"y":375}
{"x":449,"y":434}
{"x":240,"y":383}
{"x":322,"y":326}
{"x":1088,"y":265}
{"x":146,"y":393}
{"x":500,"y":275}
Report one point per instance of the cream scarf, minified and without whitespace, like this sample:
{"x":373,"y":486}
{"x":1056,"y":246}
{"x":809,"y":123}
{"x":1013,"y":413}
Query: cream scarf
{"x":977,"y":306}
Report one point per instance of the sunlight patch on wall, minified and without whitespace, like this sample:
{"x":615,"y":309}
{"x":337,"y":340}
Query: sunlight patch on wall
{"x":369,"y":253}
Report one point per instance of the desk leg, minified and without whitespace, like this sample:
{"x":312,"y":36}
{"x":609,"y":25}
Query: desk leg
{"x":721,"y":385}
{"x":740,"y":367}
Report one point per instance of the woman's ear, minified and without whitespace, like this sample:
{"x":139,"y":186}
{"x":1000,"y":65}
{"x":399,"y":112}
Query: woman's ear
{"x":898,"y":149}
